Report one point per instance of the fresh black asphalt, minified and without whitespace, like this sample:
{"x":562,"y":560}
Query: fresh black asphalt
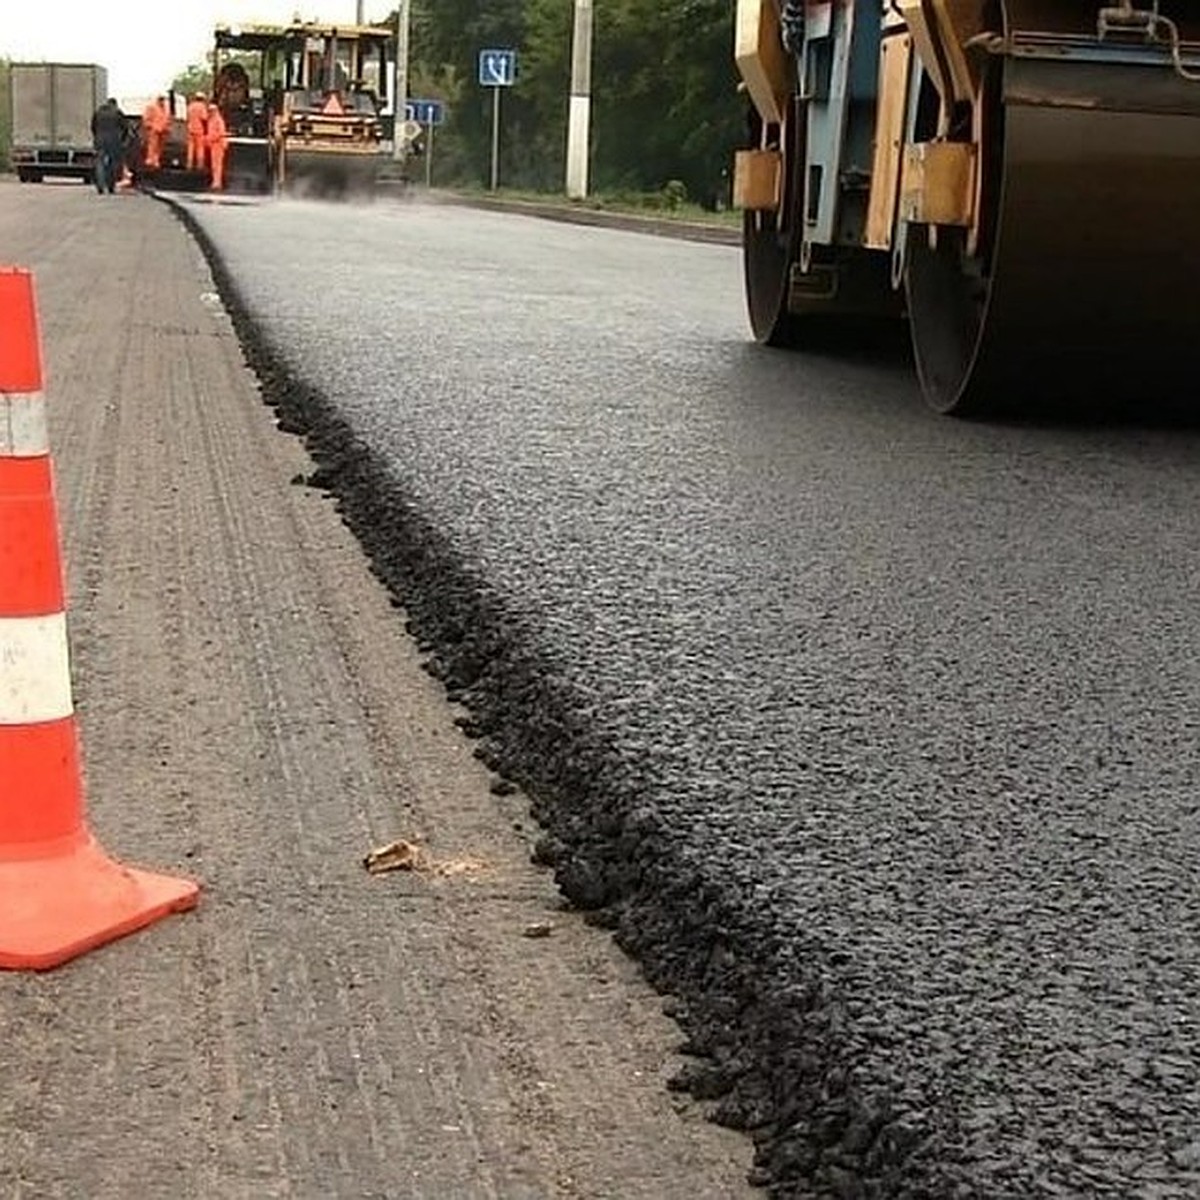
{"x":871,"y":733}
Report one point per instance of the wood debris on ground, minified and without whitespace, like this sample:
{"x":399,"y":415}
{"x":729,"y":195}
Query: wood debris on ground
{"x":404,"y":855}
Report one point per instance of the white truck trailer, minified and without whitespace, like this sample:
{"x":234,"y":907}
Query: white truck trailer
{"x":52,"y":106}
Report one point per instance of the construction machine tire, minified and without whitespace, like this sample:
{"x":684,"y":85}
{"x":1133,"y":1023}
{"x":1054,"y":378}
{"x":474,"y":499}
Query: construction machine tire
{"x":1082,"y":293}
{"x":845,"y":301}
{"x":771,"y":240}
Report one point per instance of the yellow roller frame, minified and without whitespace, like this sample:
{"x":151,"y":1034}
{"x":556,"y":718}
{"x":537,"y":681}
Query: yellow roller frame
{"x":940,"y":31}
{"x":940,"y":180}
{"x":939,"y":184}
{"x":760,"y":58}
{"x":757,"y":180}
{"x":895,"y":68}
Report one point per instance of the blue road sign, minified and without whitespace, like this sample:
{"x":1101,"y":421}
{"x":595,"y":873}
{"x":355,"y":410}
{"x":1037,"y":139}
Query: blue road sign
{"x":424,"y":112}
{"x":497,"y":68}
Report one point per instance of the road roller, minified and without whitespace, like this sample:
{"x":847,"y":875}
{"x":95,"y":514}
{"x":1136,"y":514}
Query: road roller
{"x":1018,"y":179}
{"x":305,"y":105}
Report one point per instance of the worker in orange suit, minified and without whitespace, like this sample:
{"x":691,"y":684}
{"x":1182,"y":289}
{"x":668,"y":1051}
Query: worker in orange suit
{"x":197,"y":127}
{"x":216,"y":137}
{"x":156,"y":124}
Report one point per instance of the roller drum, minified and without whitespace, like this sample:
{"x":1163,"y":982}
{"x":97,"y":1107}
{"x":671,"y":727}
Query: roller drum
{"x":1087,"y":286}
{"x":330,"y":175}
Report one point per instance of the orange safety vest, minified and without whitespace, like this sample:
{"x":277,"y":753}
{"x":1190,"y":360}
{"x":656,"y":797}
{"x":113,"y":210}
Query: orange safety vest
{"x":197,"y":117}
{"x":216,"y":134}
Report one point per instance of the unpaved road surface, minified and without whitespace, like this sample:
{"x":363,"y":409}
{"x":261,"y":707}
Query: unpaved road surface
{"x":253,"y":713}
{"x":872,"y":733}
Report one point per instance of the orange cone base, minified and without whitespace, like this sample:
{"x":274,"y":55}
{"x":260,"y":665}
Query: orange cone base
{"x":53,"y":909}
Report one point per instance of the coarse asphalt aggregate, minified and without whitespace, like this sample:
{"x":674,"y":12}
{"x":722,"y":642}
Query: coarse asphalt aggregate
{"x":871,"y":733}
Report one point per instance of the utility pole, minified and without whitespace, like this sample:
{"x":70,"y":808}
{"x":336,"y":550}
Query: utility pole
{"x":400,"y":90}
{"x":358,"y":12}
{"x":580,"y":112}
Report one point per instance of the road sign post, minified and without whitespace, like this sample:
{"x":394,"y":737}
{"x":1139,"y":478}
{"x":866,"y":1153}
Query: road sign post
{"x":495,"y":138}
{"x":497,"y":69}
{"x":429,"y":114}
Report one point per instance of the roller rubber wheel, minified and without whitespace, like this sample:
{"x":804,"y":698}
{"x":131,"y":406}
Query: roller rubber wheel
{"x":948,"y":286}
{"x":859,"y":315}
{"x":771,"y":241}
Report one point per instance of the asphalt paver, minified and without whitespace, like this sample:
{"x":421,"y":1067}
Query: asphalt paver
{"x":254,"y":714}
{"x":872,"y":734}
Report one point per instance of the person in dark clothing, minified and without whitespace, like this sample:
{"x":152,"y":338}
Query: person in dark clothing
{"x":108,"y":138}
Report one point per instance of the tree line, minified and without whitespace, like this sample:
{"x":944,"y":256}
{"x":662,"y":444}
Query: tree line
{"x":665,"y":108}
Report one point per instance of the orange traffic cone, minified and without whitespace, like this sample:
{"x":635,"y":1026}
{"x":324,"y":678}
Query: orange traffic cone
{"x":60,"y":894}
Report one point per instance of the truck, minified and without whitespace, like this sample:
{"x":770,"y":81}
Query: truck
{"x":1017,"y":179}
{"x":52,"y":106}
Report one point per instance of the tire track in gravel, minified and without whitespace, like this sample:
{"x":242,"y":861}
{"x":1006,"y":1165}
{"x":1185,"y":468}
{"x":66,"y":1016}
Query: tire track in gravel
{"x":324,"y":982}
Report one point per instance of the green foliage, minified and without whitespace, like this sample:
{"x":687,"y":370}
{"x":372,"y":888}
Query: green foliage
{"x":674,"y":193}
{"x":665,"y":112}
{"x":196,"y":78}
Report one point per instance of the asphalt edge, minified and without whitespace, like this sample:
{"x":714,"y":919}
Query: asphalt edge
{"x":772,"y":1055}
{"x":689,"y":231}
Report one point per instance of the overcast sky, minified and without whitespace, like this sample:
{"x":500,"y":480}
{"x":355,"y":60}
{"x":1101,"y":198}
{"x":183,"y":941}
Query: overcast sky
{"x":145,"y":43}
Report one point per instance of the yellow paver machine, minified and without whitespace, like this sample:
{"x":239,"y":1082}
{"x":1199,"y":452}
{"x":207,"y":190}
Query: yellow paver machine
{"x":1021,"y":178}
{"x":305,"y":106}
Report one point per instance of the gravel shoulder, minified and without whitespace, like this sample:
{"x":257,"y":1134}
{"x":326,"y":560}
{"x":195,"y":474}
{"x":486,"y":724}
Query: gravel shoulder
{"x":253,"y":713}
